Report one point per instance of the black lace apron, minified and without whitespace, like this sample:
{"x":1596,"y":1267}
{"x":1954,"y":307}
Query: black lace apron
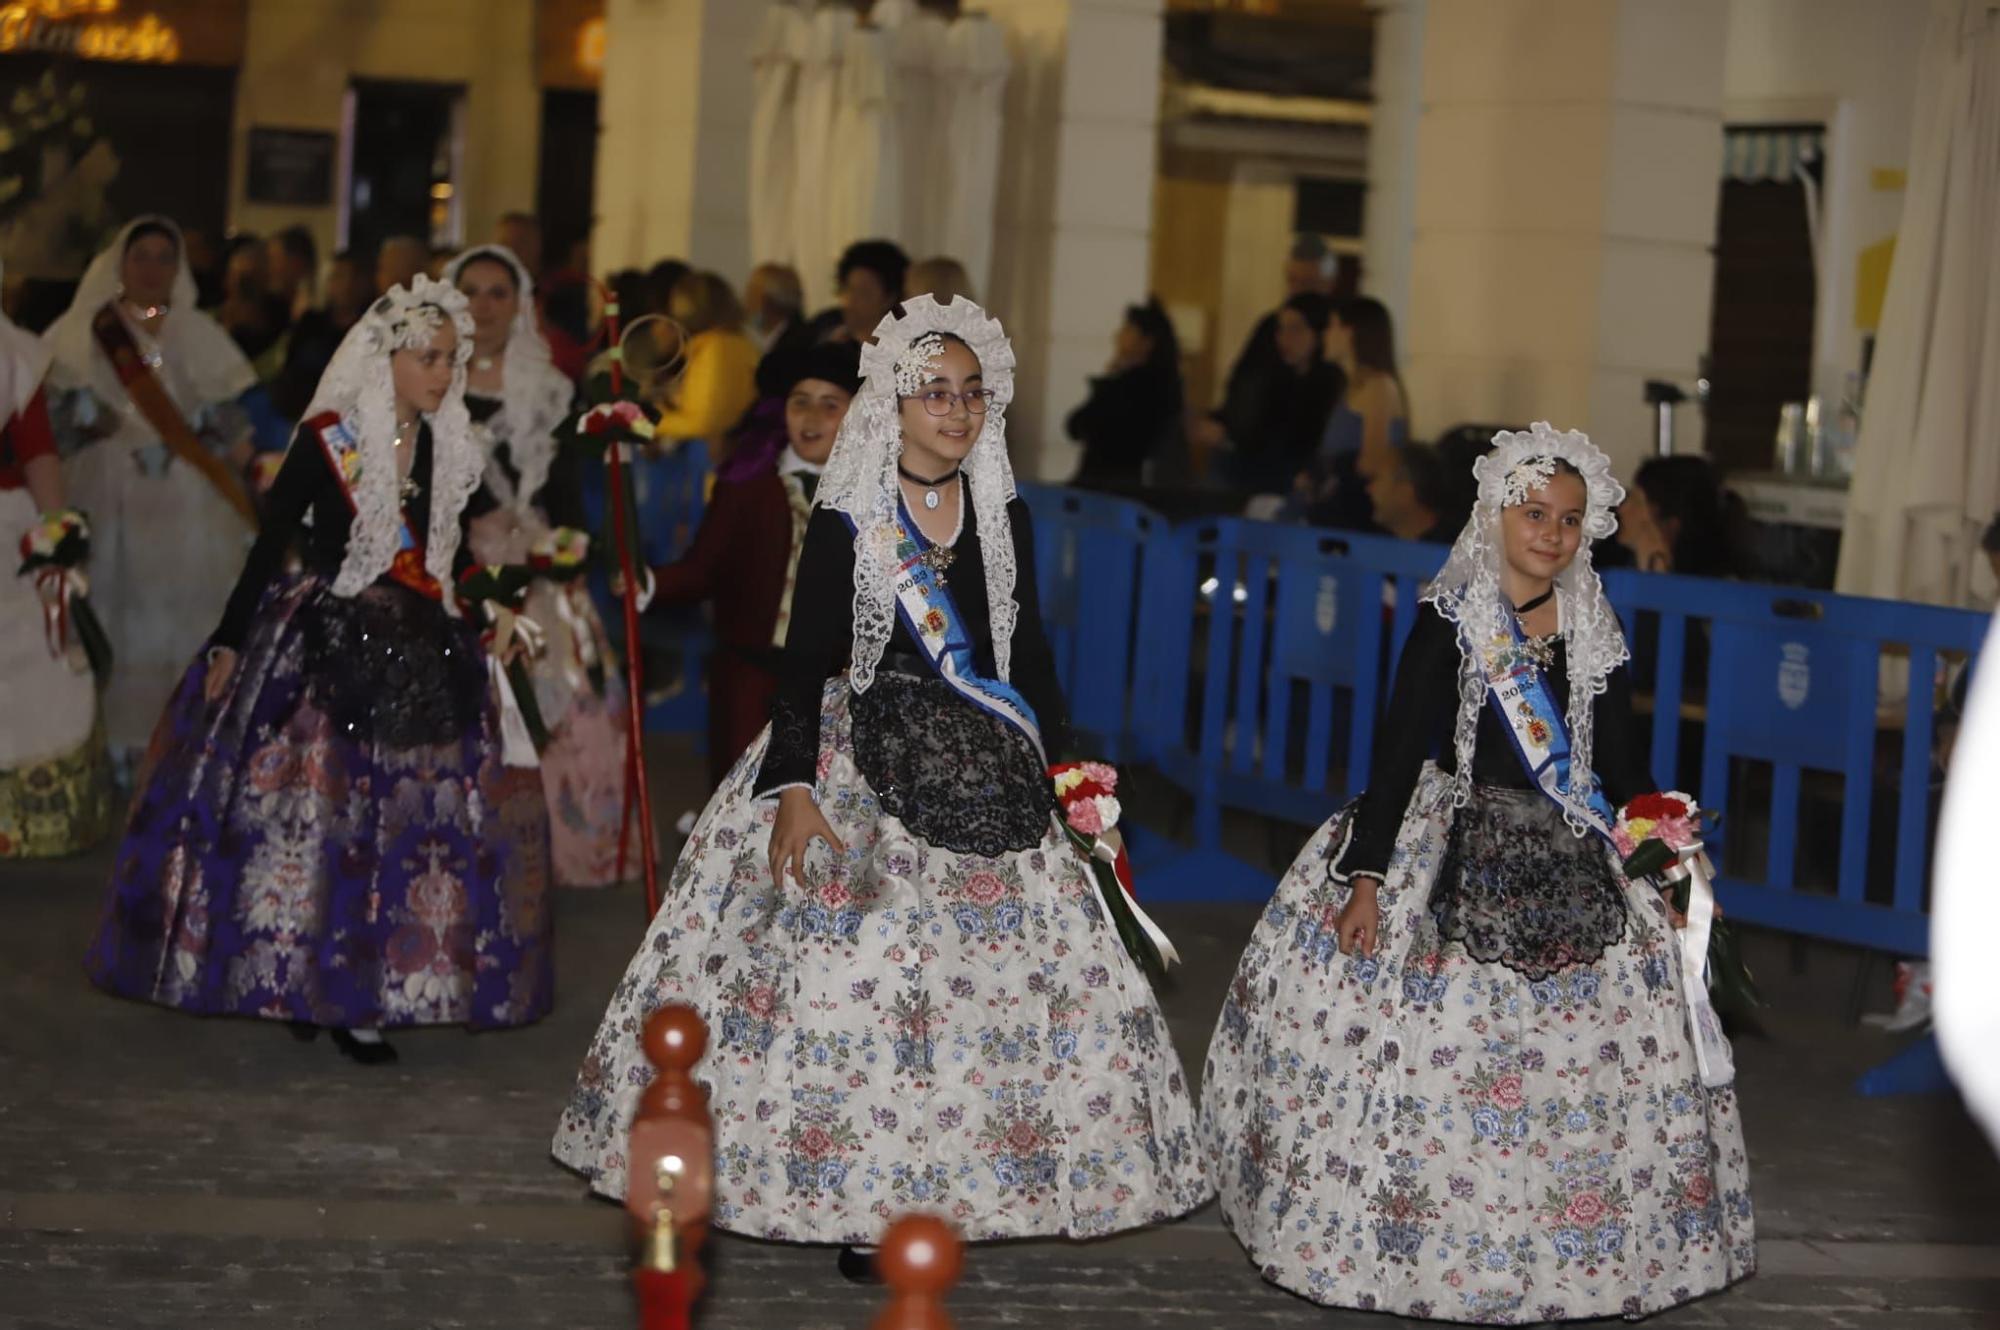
{"x":958,"y":777}
{"x":389,"y":665}
{"x":1518,"y":886}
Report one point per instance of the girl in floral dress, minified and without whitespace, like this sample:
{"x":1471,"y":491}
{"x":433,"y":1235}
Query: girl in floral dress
{"x":325,"y":836}
{"x":914,"y":998}
{"x":1454,"y":1075}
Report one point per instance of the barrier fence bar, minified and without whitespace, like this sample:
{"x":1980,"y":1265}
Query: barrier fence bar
{"x":1088,"y":556}
{"x":1815,"y":685}
{"x":1267,"y":654}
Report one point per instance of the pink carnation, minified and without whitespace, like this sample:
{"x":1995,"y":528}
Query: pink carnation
{"x":1084,"y":816}
{"x":1101,"y":773}
{"x":1680,"y":833}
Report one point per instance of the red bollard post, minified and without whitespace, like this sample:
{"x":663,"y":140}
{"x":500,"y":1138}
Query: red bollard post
{"x":920,"y":1261}
{"x":670,"y":1176}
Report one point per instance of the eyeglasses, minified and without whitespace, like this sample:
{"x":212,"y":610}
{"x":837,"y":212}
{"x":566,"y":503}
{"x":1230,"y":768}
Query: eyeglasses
{"x":938,"y":402}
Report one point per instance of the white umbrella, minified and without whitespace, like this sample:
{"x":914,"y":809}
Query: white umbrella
{"x":865,"y":195}
{"x":976,"y":92}
{"x":774,"y":77}
{"x":1927,"y":466}
{"x":821,"y":40}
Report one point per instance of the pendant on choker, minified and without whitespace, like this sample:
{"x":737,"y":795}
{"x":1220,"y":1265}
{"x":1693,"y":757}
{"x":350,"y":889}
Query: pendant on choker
{"x":931,"y":496}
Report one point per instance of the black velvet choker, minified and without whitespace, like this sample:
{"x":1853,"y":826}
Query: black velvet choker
{"x":1535,"y":603}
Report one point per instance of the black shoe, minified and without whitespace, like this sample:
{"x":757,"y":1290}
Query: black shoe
{"x":857,"y":1266}
{"x":376,"y":1054}
{"x":303,"y":1031}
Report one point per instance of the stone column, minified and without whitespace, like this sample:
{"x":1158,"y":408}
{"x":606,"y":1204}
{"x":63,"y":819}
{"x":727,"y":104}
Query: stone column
{"x":1566,"y":173}
{"x":673,"y":146}
{"x":1073,"y":231}
{"x":1389,"y":221}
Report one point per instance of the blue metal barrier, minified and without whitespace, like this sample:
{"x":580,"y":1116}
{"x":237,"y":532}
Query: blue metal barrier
{"x":1793,"y":681}
{"x":1295,"y":632}
{"x":1249,"y":663}
{"x":1089,"y":552}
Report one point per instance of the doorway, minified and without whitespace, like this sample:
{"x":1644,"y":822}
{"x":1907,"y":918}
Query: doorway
{"x":401,"y":172}
{"x":565,"y":192}
{"x":1761,"y":319}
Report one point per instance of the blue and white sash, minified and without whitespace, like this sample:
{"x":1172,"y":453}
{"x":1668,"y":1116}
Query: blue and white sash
{"x":1518,"y":689}
{"x":934,"y":622}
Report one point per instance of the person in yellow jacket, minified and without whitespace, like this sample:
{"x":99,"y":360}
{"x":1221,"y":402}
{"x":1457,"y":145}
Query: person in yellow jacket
{"x":720,"y":379}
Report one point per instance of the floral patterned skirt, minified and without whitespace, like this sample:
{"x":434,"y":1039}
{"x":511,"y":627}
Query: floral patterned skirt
{"x":335,"y":840}
{"x":910,"y":1028}
{"x":1425,"y":1133}
{"x":583,"y":768}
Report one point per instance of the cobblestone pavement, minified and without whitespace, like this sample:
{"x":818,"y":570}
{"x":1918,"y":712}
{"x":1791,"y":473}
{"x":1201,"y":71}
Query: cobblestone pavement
{"x":162,"y":1172}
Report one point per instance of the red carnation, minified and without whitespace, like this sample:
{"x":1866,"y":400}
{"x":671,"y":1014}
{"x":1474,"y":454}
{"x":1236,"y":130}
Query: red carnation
{"x":1655,"y":806}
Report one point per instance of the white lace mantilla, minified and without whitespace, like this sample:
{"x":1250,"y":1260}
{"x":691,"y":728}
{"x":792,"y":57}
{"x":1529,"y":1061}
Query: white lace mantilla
{"x":535,"y":395}
{"x":1467,"y":590}
{"x":358,"y":386}
{"x":860,"y":477}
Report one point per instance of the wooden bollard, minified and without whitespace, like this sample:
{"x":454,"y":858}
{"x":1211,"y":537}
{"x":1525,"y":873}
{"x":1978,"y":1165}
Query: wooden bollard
{"x":670,"y":1171}
{"x":920,"y":1261}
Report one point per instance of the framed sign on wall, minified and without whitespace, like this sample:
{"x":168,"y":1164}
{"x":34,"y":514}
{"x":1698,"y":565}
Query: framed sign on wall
{"x":290,"y":166}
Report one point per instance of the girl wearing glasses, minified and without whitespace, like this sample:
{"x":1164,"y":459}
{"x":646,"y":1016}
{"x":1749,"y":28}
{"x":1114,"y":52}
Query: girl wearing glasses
{"x":913,"y":997}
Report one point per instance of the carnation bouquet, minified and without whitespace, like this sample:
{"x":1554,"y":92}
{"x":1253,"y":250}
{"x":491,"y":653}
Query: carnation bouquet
{"x":1087,"y":793}
{"x":560,"y":555}
{"x":53,"y":552}
{"x":1660,"y":836}
{"x":499,"y":590}
{"x":616,"y":420}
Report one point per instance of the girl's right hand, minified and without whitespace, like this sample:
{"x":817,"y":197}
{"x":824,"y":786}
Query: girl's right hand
{"x":221,"y":666}
{"x":1359,"y":923}
{"x":799,"y":821}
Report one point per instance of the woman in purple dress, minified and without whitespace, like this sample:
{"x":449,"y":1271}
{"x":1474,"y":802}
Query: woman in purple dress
{"x":326,"y":833}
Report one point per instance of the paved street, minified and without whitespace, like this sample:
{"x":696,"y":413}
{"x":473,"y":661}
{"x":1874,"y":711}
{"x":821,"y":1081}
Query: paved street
{"x":159,"y":1171}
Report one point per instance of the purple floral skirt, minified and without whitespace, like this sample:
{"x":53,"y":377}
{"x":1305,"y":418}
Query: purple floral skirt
{"x":335,"y":840}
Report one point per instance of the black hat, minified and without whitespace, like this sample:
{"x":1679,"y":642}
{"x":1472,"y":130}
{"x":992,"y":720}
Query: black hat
{"x":1151,"y":319}
{"x":835,"y":362}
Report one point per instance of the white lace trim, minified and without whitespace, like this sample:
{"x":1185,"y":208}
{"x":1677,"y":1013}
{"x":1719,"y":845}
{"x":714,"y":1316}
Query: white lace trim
{"x":357,"y":385}
{"x":534,"y":394}
{"x":860,"y":477}
{"x":1467,"y":591}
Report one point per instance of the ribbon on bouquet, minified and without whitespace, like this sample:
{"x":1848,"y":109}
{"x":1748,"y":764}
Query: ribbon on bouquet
{"x":583,"y":655}
{"x":1713,"y":1054}
{"x":1112,"y":851}
{"x":518,"y":747}
{"x":58,"y":588}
